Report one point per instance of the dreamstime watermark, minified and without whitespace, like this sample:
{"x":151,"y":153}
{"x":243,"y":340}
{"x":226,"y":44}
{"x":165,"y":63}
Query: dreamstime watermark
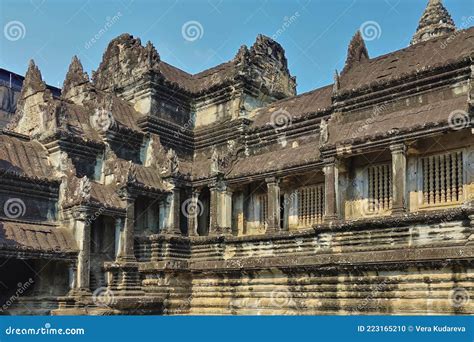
{"x":376,"y":112}
{"x":466,"y":23}
{"x":459,"y":119}
{"x":281,"y":298}
{"x":287,"y":22}
{"x":109,"y":22}
{"x":21,"y":289}
{"x":192,"y":208}
{"x":14,"y":208}
{"x":192,"y":30}
{"x":459,"y":297}
{"x":370,"y":30}
{"x":280,"y":119}
{"x":371,"y":297}
{"x":14,"y":30}
{"x":46,"y":330}
{"x":103,"y":297}
{"x":102,"y":120}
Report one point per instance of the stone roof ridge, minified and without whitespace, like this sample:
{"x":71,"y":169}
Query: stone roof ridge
{"x":356,"y":52}
{"x":435,"y":21}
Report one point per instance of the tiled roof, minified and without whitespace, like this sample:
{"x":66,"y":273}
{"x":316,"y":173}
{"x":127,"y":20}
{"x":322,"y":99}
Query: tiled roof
{"x":356,"y":127}
{"x":106,"y":195}
{"x":311,"y":102}
{"x":305,"y":151}
{"x":25,"y":158}
{"x":422,"y":56}
{"x":35,"y":237}
{"x":201,"y":81}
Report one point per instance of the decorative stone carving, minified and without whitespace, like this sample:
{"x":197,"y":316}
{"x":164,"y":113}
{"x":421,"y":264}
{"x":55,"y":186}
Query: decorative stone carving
{"x":323,"y":132}
{"x":36,"y":112}
{"x":435,"y":22}
{"x":357,"y":52}
{"x":83,"y":191}
{"x":76,"y":81}
{"x":124,"y":61}
{"x":173,"y":162}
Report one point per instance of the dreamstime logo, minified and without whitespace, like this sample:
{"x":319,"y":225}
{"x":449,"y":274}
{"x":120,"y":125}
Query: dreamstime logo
{"x":281,"y":298}
{"x":14,"y":30}
{"x":103,"y":297}
{"x":459,"y":297}
{"x":102,"y":120}
{"x":287,"y":22}
{"x":109,"y":22}
{"x":370,"y":30}
{"x":458,"y":120}
{"x":369,"y":207}
{"x":192,"y":208}
{"x":14,"y":208}
{"x":21,"y":289}
{"x":192,"y":30}
{"x":280,"y":119}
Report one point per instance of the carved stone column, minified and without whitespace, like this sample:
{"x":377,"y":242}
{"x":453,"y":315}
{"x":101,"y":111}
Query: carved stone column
{"x":174,"y":210}
{"x":399,"y":176}
{"x":224,"y":210}
{"x":126,"y":252}
{"x":219,"y":202}
{"x":119,"y":232}
{"x":331,"y":188}
{"x":213,"y":226}
{"x":273,"y":196}
{"x":193,"y":210}
{"x":82,"y":232}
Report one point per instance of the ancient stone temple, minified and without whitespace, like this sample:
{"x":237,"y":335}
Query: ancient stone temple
{"x":147,"y":190}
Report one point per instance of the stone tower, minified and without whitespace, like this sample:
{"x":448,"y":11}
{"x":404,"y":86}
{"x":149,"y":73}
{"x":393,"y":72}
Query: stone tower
{"x":435,"y":22}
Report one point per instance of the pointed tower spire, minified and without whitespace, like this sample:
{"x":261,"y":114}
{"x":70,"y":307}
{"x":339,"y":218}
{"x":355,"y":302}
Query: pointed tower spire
{"x":33,"y":80}
{"x":435,"y":22}
{"x":336,"y":86}
{"x":35,"y":106}
{"x":74,"y":78}
{"x":356,"y":53}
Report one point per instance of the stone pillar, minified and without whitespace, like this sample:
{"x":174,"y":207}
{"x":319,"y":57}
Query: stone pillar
{"x":82,"y":233}
{"x":399,"y":176}
{"x":273,"y":213}
{"x":213,"y":223}
{"x":173,"y":212}
{"x":126,"y":252}
{"x":192,"y":211}
{"x":221,"y":205}
{"x":330,"y":189}
{"x":224,"y":210}
{"x":119,"y":231}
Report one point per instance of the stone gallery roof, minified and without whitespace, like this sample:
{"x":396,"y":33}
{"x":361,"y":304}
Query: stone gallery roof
{"x":23,"y":157}
{"x":23,"y":237}
{"x":315,"y":101}
{"x":379,"y":123}
{"x":199,"y":82}
{"x":106,"y":195}
{"x":414,"y":59}
{"x":298,"y":153}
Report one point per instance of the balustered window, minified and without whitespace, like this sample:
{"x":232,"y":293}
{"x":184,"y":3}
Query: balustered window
{"x":380,"y":188}
{"x":263,"y":207}
{"x":310,"y":205}
{"x":442,"y":178}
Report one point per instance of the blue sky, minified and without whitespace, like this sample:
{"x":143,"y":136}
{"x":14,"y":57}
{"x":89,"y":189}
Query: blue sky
{"x":315,"y":36}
